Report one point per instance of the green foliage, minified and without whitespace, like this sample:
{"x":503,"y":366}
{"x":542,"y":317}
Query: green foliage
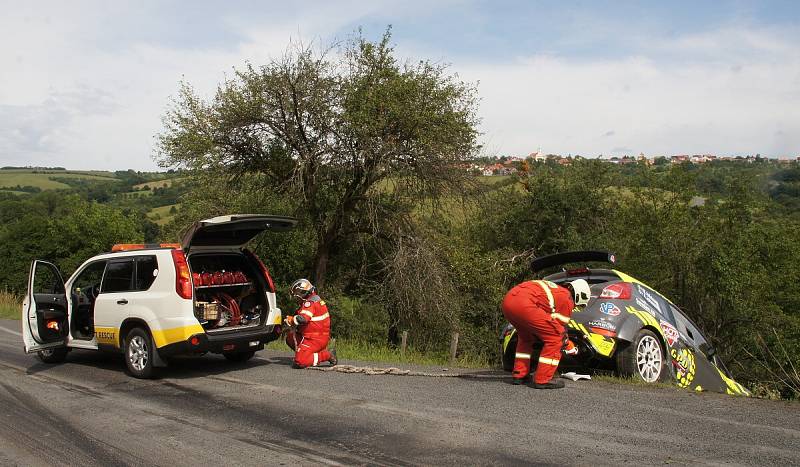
{"x":731,"y":263}
{"x":10,"y":305}
{"x":63,"y":229}
{"x":330,"y":131}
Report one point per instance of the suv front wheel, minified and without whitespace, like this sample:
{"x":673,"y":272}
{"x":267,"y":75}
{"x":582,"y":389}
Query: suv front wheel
{"x":56,"y":355}
{"x":139,"y":353}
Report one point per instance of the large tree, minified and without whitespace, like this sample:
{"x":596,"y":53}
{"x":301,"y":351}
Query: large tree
{"x":350,"y":134}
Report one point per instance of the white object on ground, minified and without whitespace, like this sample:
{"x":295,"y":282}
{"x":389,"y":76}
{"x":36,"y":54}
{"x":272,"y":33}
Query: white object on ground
{"x":575,"y":376}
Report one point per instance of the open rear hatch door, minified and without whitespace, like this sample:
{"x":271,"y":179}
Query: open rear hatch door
{"x":233,"y":231}
{"x":45,"y":309}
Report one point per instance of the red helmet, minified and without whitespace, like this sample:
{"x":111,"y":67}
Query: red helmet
{"x":217,"y":278}
{"x":228,"y":278}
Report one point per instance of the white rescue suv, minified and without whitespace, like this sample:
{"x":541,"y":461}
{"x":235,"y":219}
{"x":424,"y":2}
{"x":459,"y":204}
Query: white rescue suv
{"x":206,"y":294}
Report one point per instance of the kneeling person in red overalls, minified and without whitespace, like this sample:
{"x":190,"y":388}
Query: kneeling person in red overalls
{"x":311,"y":325}
{"x":540,"y":310}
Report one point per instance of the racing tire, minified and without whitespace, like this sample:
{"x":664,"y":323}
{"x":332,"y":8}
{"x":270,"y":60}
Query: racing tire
{"x":56,"y":355}
{"x":643,"y":359}
{"x":510,"y":354}
{"x":139,"y":354}
{"x":239,"y":357}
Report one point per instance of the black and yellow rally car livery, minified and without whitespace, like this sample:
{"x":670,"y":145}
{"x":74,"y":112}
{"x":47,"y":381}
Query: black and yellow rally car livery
{"x":631,"y":328}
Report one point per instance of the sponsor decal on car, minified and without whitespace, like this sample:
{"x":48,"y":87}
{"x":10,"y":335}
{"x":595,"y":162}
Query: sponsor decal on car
{"x":602,"y":325}
{"x":685,"y":366}
{"x":644,"y":306}
{"x":670,"y":333}
{"x":649,"y":297}
{"x":610,"y":309}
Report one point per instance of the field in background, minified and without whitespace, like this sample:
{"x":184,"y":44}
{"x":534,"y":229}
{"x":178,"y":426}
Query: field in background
{"x":163,"y":183}
{"x":10,"y":178}
{"x":161,"y":215}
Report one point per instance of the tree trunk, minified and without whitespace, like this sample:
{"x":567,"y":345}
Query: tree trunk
{"x":320,"y":265}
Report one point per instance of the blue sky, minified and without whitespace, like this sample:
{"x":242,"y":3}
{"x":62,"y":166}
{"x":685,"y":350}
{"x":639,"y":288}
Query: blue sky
{"x":84,"y":84}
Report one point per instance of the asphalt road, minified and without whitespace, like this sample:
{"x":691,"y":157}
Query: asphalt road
{"x":206,"y":410}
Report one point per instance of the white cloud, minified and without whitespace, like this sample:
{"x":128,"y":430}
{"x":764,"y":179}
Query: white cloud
{"x":82,"y":97}
{"x":84,"y":85}
{"x":743,"y":101}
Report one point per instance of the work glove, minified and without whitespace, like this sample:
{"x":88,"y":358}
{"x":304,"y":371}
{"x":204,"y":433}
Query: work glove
{"x":570,"y":348}
{"x":295,"y":320}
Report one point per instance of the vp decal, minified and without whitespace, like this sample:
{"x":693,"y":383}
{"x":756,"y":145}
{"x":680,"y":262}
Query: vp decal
{"x":610,"y":309}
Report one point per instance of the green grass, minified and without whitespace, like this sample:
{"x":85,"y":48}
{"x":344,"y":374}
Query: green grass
{"x":166,"y":182}
{"x":609,"y":378}
{"x":355,"y":350}
{"x":161,"y":215}
{"x":10,"y":305}
{"x":13,"y":177}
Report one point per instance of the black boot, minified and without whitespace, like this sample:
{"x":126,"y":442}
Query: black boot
{"x":552,"y":384}
{"x":333,"y":360}
{"x":523,"y":380}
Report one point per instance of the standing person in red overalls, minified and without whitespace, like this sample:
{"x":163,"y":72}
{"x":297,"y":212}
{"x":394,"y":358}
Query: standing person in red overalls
{"x":312,"y":327}
{"x":540,"y":310}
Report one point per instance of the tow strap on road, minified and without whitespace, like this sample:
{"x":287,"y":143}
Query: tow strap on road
{"x":398,"y":372}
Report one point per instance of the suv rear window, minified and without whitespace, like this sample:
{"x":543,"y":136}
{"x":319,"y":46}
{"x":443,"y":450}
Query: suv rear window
{"x":146,"y":272}
{"x":118,"y":276}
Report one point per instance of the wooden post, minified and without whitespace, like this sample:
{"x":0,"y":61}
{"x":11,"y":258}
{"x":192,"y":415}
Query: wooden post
{"x":403,"y":342}
{"x":453,"y":348}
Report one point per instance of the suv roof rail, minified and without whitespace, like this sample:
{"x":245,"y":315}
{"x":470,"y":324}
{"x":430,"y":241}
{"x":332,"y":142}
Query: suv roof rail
{"x":144,"y":246}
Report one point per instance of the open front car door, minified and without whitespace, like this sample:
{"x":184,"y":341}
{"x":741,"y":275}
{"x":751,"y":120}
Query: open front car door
{"x":44,"y":311}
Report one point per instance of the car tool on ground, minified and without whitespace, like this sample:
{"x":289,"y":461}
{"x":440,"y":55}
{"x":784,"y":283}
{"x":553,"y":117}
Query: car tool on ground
{"x":540,"y":310}
{"x":311,"y":327}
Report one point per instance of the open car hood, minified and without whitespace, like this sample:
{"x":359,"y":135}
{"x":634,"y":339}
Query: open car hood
{"x":558,"y":259}
{"x":233,"y":230}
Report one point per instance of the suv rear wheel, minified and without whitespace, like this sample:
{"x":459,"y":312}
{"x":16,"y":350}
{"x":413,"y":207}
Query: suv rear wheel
{"x":643,"y":359}
{"x":139,"y":353}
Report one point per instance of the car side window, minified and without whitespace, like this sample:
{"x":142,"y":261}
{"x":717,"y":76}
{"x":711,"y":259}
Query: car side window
{"x":146,"y":272}
{"x":118,"y":276}
{"x":88,"y":280}
{"x":46,"y":280}
{"x":687,"y":328}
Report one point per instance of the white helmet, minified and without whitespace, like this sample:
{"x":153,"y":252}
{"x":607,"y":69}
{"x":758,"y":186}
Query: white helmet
{"x":302,"y":289}
{"x":580,"y":292}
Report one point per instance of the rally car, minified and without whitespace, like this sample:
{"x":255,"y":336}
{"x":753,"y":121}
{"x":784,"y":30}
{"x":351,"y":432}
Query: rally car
{"x":205,"y":294}
{"x":629,"y":327}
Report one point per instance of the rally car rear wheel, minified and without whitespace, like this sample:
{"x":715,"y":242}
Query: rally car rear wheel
{"x":643,"y":359}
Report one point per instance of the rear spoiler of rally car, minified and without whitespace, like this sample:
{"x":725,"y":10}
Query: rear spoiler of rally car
{"x":557,"y":259}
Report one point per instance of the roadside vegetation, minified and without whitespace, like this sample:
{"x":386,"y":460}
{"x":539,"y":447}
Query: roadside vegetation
{"x":10,"y":305}
{"x":399,"y":237}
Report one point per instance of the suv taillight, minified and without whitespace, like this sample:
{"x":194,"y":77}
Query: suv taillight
{"x":264,"y":270}
{"x":620,"y":290}
{"x":183,"y":278}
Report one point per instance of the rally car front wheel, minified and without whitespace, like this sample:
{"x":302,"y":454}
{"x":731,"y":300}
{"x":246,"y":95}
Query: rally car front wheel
{"x":643,"y":359}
